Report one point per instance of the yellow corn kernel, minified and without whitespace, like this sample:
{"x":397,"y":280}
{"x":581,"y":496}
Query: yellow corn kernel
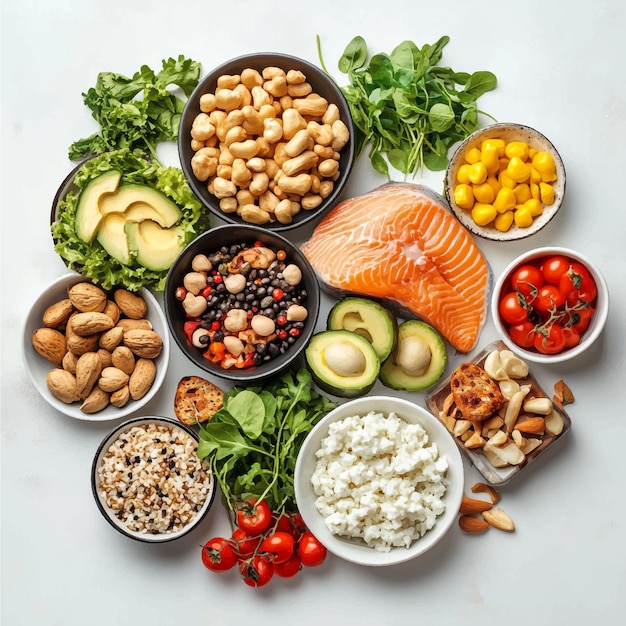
{"x":546,"y":193}
{"x":495,"y":184}
{"x":532,"y":152}
{"x":518,"y":170}
{"x":489,"y":157}
{"x":464,"y":196}
{"x":522,"y":217}
{"x":534,"y":206}
{"x":462,"y":176}
{"x":544,"y":162}
{"x":506,"y":180}
{"x":505,"y":200}
{"x":483,"y":214}
{"x":504,"y":221}
{"x":535,"y":191}
{"x":477,"y":173}
{"x":484,"y":193}
{"x":535,"y":175}
{"x":504,"y":163}
{"x":472,"y":156}
{"x":522,"y":193}
{"x":517,"y":149}
{"x":494,"y":144}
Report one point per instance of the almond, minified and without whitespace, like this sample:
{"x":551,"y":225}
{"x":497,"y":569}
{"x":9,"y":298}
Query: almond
{"x":494,"y":494}
{"x":470,"y":524}
{"x":110,"y":339}
{"x":57,"y":314}
{"x":142,"y":378}
{"x":123,"y":359}
{"x":69,"y":362}
{"x":113,"y":311}
{"x":95,"y":401}
{"x":562,"y":394}
{"x":145,"y":344}
{"x":62,"y":385}
{"x":90,"y":323}
{"x":88,"y":368}
{"x":50,"y":344}
{"x":472,"y":506}
{"x":112,"y":379}
{"x":499,"y":519}
{"x":532,"y":425}
{"x":87,"y":297}
{"x":127,"y":324}
{"x":120,"y":397}
{"x":105,"y":357}
{"x":130,"y":304}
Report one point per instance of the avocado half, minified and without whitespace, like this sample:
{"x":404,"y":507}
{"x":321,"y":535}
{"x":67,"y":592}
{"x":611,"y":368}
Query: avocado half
{"x":423,"y":362}
{"x":342,"y":363}
{"x":368,"y":319}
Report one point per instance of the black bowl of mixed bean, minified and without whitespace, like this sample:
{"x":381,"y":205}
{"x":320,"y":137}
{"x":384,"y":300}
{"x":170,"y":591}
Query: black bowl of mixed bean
{"x":242,"y":302}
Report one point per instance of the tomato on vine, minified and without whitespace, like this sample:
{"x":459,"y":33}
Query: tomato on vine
{"x":578,"y":285}
{"x":527,"y":280}
{"x":523,"y":334}
{"x":550,"y":339}
{"x":279,"y":546}
{"x":553,"y":268}
{"x":311,"y":552}
{"x":513,"y":308}
{"x":254,"y":517}
{"x":289,"y":568}
{"x":243,"y":544}
{"x":549,"y":298}
{"x":218,"y":555}
{"x":572,"y":337}
{"x":257,"y":571}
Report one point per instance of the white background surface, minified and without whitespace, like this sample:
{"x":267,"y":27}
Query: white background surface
{"x":560,"y":69}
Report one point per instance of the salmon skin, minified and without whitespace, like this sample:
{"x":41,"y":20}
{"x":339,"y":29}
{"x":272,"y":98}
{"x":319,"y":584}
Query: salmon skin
{"x":400,"y":244}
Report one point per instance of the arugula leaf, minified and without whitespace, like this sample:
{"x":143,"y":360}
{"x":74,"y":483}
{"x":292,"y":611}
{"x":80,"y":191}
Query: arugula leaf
{"x":408,"y":107}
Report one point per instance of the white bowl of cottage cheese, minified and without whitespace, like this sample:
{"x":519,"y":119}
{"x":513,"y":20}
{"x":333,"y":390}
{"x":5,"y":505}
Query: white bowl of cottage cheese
{"x":379,"y":480}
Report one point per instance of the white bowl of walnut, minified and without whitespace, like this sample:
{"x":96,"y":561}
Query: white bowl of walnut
{"x":113,"y":365}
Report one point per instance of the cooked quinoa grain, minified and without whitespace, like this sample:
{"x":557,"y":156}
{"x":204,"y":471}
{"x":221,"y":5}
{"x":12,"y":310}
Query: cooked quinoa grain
{"x":152,"y":479}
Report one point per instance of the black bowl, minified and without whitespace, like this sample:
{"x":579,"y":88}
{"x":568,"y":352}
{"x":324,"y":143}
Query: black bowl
{"x":321,"y":83}
{"x":210,"y":242}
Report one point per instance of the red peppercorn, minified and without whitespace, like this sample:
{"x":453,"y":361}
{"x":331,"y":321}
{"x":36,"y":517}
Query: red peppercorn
{"x":258,"y":244}
{"x":215,"y":326}
{"x":281,"y":320}
{"x":180,"y":293}
{"x":294,"y":332}
{"x":278,"y":294}
{"x":282,"y":334}
{"x":206,"y":292}
{"x":217,"y":279}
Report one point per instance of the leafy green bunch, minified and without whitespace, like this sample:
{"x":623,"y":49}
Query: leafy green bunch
{"x":137,"y":112}
{"x":407,"y":106}
{"x":253,"y":441}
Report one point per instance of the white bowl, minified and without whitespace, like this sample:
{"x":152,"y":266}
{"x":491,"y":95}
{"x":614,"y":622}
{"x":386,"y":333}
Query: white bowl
{"x":354,"y":550}
{"x":509,"y":132}
{"x":596,"y":325}
{"x":109,"y":514}
{"x":38,"y":367}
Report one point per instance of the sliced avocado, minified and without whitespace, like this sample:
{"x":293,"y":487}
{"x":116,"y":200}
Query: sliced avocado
{"x":156,"y":248}
{"x":418,"y":360}
{"x":342,"y":363}
{"x":88,"y":215}
{"x":368,"y":319}
{"x":112,"y":237}
{"x":136,"y":201}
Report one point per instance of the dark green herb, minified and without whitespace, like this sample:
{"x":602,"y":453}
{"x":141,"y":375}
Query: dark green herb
{"x":406,"y":106}
{"x":139,"y":112}
{"x":252,"y":442}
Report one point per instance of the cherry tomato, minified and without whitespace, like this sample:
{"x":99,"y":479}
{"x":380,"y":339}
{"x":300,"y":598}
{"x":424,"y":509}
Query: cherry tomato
{"x":256,"y":572}
{"x":513,"y":308}
{"x":279,"y":546}
{"x":523,"y":334}
{"x":218,"y":555}
{"x":549,"y":298}
{"x":289,"y":568}
{"x":550,"y":340}
{"x":553,"y":268}
{"x":243,"y":544}
{"x":580,"y":319}
{"x":572,"y":337}
{"x":577,"y":283}
{"x":254,"y":517}
{"x":527,"y":280}
{"x":310,"y":550}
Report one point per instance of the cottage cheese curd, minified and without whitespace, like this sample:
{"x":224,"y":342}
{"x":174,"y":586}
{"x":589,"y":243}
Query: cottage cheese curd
{"x":378,"y":478}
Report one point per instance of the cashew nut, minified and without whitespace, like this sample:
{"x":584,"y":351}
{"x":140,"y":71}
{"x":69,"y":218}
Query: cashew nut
{"x":236,"y":320}
{"x":253,"y":214}
{"x":313,"y":105}
{"x":300,"y":142}
{"x":345,"y":359}
{"x":201,"y":128}
{"x":414,"y":356}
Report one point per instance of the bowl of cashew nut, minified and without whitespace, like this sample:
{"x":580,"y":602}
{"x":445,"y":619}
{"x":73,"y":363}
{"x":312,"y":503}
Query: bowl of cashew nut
{"x":267,"y":140}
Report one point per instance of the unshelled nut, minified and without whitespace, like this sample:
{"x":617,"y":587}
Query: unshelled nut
{"x":57,"y":314}
{"x":123,"y":358}
{"x":95,"y":401}
{"x":142,"y":378}
{"x":120,"y":397}
{"x":113,"y":311}
{"x":69,"y":362}
{"x":110,"y":339}
{"x":62,"y":385}
{"x":145,"y":344}
{"x":50,"y":344}
{"x":88,"y":368}
{"x":90,"y":323}
{"x":131,"y":305}
{"x":128,"y":324}
{"x":87,"y":297}
{"x":112,"y":378}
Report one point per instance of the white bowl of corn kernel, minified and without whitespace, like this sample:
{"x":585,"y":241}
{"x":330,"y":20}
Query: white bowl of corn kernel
{"x":505,"y":182}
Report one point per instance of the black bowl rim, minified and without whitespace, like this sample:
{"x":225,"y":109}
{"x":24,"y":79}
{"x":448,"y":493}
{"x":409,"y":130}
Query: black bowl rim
{"x":94,"y":483}
{"x":276,"y":366}
{"x":305,"y":216}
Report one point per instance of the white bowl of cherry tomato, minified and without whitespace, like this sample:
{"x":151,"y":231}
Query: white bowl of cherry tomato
{"x":550,"y":304}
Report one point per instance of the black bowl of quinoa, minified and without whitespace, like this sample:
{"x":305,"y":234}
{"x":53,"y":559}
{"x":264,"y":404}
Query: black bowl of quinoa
{"x":148,"y":482}
{"x":242,"y":302}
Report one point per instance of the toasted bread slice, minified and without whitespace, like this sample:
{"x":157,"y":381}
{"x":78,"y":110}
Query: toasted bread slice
{"x":476,"y":395}
{"x":197,"y":400}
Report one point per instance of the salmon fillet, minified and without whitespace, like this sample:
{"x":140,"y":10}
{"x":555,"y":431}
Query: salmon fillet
{"x":401,"y":244}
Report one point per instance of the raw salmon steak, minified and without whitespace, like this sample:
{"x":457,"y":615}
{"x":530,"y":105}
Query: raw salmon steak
{"x":401,"y":244}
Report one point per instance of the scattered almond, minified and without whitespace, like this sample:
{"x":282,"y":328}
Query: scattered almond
{"x":562,"y":394}
{"x":470,"y":524}
{"x":494,"y":494}
{"x":472,"y":506}
{"x":498,"y":519}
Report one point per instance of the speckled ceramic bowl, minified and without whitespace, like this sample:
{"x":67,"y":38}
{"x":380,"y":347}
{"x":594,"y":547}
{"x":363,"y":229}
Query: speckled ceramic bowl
{"x":509,"y":133}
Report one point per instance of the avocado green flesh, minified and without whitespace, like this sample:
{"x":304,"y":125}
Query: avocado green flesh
{"x":112,"y":238}
{"x":368,"y":319}
{"x":140,"y":202}
{"x":392,"y":375}
{"x":328,"y":378}
{"x":155,"y":248}
{"x":88,"y":217}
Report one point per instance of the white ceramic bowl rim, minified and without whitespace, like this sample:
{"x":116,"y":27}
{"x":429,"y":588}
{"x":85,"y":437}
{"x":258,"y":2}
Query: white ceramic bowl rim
{"x":358,"y":552}
{"x":598,"y":320}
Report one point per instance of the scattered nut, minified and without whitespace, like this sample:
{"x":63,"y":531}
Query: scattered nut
{"x":472,"y":506}
{"x":494,"y":494}
{"x":499,"y":519}
{"x":470,"y":524}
